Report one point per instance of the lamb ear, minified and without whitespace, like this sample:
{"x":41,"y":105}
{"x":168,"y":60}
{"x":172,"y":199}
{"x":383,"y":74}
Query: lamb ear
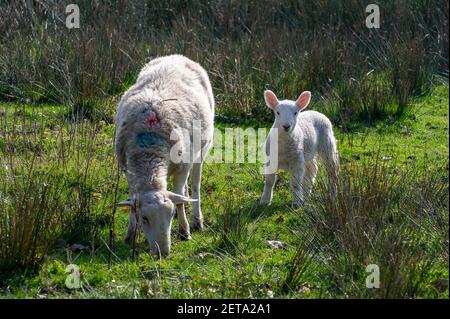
{"x":127,"y":202}
{"x":179,"y":199}
{"x":271,"y":99}
{"x":303,"y":100}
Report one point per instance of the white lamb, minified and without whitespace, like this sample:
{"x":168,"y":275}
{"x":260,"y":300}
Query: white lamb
{"x":154,"y":117}
{"x":301,"y":137}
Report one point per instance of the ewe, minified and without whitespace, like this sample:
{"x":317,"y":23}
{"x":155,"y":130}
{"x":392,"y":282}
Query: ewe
{"x":155,"y":117}
{"x":301,"y":136}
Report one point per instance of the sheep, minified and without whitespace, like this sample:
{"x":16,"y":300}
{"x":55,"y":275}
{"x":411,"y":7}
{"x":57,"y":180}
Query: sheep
{"x":301,"y":137}
{"x":155,"y":123}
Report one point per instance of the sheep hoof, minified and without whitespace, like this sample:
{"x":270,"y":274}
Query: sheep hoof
{"x":297,"y":205}
{"x":196,"y":225}
{"x":184,"y":236}
{"x":129,"y":239}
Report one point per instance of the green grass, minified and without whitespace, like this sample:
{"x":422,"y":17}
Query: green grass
{"x":231,"y":258}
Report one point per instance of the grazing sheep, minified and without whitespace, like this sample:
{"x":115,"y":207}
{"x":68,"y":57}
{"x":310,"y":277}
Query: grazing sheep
{"x":301,"y":137}
{"x":155,"y":124}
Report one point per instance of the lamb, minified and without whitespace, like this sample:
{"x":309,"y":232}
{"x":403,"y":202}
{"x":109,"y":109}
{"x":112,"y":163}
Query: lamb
{"x":154,"y":134}
{"x":302,"y":137}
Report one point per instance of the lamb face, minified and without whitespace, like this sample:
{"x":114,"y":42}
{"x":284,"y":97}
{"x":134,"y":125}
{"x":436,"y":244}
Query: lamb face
{"x":286,"y":116}
{"x":286,"y":111}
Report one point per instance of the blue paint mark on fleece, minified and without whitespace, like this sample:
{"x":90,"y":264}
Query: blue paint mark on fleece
{"x":149,"y":139}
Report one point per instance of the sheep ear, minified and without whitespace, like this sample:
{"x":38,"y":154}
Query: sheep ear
{"x":303,"y":100}
{"x":271,"y":99}
{"x":179,"y":199}
{"x":127,"y":202}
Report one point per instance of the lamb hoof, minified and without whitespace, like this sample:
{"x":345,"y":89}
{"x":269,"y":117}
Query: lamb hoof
{"x":196,"y":225}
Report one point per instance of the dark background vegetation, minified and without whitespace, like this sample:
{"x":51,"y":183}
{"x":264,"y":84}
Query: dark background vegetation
{"x":355,"y":73}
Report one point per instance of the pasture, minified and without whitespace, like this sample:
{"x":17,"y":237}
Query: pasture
{"x":386,"y":94}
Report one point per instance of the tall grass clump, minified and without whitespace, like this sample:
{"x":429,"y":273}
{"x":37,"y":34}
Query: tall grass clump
{"x":235,"y":229}
{"x":57,"y":179}
{"x":378,"y":217}
{"x":31,"y":216}
{"x":296,"y":271}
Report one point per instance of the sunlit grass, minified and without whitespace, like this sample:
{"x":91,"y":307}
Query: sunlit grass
{"x":232,"y":257}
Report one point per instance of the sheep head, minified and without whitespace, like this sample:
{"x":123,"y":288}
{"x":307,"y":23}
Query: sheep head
{"x":154,"y":212}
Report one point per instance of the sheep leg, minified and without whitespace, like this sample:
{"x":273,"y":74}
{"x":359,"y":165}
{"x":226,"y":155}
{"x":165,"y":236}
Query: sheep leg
{"x":297,"y":181}
{"x":179,"y":182}
{"x":131,"y":232}
{"x":330,"y":158}
{"x":186,"y":193}
{"x":269,"y":183}
{"x":332,"y":167}
{"x":132,"y":225}
{"x":186,"y":190}
{"x":196,"y":216}
{"x":310,"y":176}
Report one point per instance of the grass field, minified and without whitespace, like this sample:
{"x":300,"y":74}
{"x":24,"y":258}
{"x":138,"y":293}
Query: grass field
{"x":391,"y":210}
